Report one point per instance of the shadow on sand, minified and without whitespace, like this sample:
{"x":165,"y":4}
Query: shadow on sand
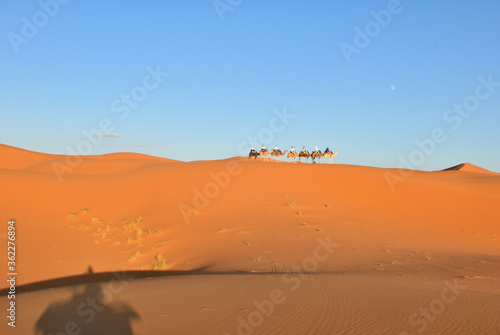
{"x":94,"y":307}
{"x":93,"y":310}
{"x":91,"y":277}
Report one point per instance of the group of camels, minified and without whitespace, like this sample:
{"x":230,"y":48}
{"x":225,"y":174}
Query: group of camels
{"x":273,"y":153}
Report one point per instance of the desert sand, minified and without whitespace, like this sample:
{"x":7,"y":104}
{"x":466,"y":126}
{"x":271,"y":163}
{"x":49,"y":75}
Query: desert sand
{"x":132,"y":244}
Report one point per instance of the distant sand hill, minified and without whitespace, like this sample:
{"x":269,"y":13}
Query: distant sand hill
{"x":467,"y":167}
{"x":244,"y":247}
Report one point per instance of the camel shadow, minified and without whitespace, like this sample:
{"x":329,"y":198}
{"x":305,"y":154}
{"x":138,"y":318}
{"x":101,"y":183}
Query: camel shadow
{"x":92,"y":311}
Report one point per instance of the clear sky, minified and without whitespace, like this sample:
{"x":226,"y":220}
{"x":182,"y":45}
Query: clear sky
{"x":193,"y":80}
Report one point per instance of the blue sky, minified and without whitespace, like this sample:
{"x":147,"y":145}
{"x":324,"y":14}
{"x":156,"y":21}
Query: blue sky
{"x":66,"y":67}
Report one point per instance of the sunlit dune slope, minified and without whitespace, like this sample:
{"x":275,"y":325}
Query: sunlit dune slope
{"x":136,"y":212}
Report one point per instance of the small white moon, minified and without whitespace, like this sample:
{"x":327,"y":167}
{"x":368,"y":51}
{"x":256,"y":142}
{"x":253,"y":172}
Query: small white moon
{"x":393,"y":87}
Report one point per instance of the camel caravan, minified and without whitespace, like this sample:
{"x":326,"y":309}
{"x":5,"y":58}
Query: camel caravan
{"x":276,"y":153}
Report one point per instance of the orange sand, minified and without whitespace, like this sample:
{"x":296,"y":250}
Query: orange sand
{"x":224,"y":236}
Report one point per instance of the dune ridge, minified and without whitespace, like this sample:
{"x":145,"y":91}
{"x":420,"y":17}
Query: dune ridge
{"x":17,"y":159}
{"x":468,"y":167}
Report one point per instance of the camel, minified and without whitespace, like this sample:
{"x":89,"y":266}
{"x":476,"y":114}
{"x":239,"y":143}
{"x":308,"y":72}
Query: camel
{"x":253,"y":154}
{"x":329,"y":155}
{"x":305,"y":154}
{"x":278,"y":154}
{"x":266,"y":154}
{"x":293,"y":155}
{"x":315,"y":154}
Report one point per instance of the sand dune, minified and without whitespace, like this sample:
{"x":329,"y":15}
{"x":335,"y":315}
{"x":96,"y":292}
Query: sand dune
{"x":467,"y":167}
{"x":28,"y":161}
{"x":224,"y":235}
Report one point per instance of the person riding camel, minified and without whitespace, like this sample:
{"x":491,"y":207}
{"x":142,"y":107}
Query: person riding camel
{"x":316,"y":150}
{"x":264,"y":148}
{"x":252,"y":150}
{"x":303,"y":149}
{"x":276,"y":149}
{"x":327,"y":150}
{"x":292,"y":150}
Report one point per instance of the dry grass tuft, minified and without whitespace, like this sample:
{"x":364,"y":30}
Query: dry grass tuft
{"x":134,"y":255}
{"x":158,"y":263}
{"x":137,"y":236}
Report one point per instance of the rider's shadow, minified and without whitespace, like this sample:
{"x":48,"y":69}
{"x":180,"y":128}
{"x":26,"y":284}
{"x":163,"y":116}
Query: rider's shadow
{"x":93,"y":311}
